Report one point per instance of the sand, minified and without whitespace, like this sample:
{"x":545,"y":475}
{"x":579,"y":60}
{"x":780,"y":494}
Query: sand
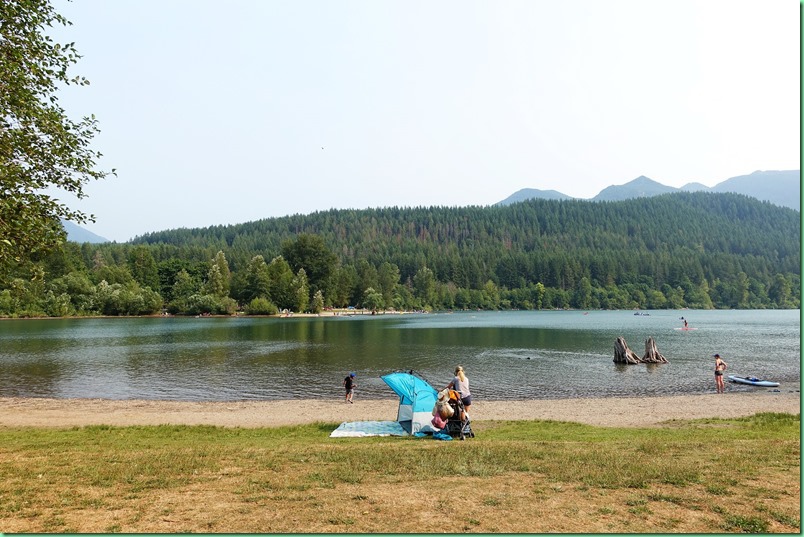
{"x":610,"y":411}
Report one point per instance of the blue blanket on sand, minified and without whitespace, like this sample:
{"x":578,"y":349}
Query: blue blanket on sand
{"x":356,"y":429}
{"x":368,"y":428}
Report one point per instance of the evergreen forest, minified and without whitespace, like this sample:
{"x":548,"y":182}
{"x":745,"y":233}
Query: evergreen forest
{"x":696,"y":250}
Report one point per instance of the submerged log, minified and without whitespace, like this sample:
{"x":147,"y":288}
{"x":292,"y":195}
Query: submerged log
{"x":652,"y":354}
{"x":624,"y":355}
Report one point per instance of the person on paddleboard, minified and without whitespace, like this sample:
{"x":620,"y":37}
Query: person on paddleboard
{"x":720,"y":367}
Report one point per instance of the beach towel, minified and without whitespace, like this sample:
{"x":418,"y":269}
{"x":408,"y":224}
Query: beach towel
{"x":368,"y":428}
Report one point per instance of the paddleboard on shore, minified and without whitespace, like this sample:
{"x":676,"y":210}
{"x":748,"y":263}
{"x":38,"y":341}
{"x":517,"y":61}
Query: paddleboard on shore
{"x":753,"y":381}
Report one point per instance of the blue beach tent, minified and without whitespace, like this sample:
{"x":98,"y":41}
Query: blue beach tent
{"x":416,"y":401}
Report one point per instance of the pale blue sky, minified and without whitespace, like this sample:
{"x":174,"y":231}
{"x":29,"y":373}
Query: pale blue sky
{"x":216,"y":112}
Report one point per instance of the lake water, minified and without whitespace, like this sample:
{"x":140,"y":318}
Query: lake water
{"x":507,"y":355}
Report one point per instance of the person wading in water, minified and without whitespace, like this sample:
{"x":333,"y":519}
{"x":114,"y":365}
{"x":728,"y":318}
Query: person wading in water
{"x":720,"y":367}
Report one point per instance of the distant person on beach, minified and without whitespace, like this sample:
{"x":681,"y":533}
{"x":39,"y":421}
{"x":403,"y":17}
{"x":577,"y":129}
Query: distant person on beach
{"x":720,"y":367}
{"x":461,"y":385}
{"x":349,"y":384}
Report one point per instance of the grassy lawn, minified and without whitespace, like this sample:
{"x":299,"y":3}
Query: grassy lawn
{"x":703,"y":476}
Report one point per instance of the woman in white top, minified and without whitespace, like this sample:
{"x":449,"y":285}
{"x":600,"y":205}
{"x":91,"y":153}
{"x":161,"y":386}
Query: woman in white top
{"x":461,"y":385}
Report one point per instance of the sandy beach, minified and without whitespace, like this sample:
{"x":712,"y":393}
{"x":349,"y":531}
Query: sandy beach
{"x":612,"y":411}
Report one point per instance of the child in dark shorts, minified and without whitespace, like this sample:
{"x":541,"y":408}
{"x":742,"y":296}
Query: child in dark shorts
{"x":349,"y":384}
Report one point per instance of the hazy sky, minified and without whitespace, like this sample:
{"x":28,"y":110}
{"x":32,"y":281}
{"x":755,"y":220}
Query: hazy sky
{"x":222,"y":112}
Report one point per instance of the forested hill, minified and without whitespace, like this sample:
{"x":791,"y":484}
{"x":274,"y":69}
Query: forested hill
{"x":711,"y":249}
{"x":678,"y":250}
{"x":670,"y":227}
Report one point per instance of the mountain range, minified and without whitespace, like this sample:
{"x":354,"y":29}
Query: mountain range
{"x":781,"y":188}
{"x":76,"y":233}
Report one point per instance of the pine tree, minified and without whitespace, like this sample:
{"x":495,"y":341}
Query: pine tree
{"x":302,"y":291}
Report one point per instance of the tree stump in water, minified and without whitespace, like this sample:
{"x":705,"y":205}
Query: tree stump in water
{"x":652,"y":354}
{"x":624,"y":355}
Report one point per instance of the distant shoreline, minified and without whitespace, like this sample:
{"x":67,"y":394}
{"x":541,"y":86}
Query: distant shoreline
{"x":330,"y":313}
{"x":357,"y":312}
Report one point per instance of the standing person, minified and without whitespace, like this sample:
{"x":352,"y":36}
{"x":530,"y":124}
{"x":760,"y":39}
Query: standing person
{"x":461,"y":385}
{"x":720,"y":367}
{"x":349,"y":384}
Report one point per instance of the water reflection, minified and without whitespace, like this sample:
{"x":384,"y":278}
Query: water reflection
{"x":507,"y":355}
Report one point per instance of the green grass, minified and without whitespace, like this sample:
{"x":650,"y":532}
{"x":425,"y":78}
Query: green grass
{"x":688,"y":466}
{"x":168,"y":456}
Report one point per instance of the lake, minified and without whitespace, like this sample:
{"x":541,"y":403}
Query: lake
{"x":506,"y":355}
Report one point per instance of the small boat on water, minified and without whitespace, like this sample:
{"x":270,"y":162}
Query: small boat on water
{"x":753,"y":381}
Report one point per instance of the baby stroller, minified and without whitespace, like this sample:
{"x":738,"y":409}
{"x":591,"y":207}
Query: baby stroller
{"x":458,"y":427}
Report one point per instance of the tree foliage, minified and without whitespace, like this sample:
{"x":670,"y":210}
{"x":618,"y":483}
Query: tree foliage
{"x":693,"y":250}
{"x":41,"y":148}
{"x":677,"y":250}
{"x":309,"y":252}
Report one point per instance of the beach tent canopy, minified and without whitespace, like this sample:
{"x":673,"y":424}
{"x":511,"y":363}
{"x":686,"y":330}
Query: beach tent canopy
{"x":416,"y":401}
